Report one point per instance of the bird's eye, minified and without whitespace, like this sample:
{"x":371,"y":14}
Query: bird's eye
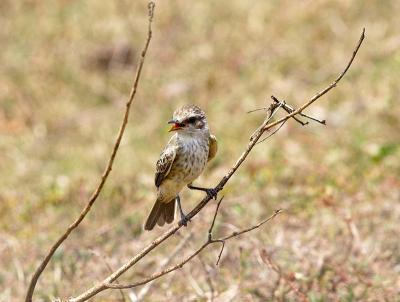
{"x":191,"y":120}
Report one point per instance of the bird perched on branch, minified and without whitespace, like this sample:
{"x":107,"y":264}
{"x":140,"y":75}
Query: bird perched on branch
{"x":181,"y":162}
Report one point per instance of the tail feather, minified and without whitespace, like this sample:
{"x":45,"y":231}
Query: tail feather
{"x":159,"y":214}
{"x":153,"y":216}
{"x":169,"y":212}
{"x":161,"y":220}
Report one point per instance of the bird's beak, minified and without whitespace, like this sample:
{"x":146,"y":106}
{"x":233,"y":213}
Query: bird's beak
{"x":176,"y":125}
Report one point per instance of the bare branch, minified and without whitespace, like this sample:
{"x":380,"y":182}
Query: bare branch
{"x":156,"y":275}
{"x":220,"y":252}
{"x":194,"y":254}
{"x":106,"y":172}
{"x":213,"y":221}
{"x":258,"y":109}
{"x":273,"y":132}
{"x":324,"y":91}
{"x":266,"y":125}
{"x":235,"y":234}
{"x":290,"y":109}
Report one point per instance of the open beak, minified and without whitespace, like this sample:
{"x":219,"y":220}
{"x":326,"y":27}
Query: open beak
{"x":175,"y":125}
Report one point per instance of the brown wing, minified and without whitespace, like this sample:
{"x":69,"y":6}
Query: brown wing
{"x":164,"y":163}
{"x":213,"y":147}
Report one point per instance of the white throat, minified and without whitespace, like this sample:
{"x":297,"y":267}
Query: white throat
{"x":195,"y":134}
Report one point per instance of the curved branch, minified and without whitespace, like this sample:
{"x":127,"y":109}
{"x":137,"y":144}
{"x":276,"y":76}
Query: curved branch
{"x":106,"y":172}
{"x":324,"y":91}
{"x":266,"y":125}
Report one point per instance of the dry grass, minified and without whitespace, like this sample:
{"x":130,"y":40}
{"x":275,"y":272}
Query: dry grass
{"x":65,"y":73}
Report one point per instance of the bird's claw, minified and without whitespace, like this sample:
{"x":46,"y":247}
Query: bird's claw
{"x":212,"y":193}
{"x":184,"y":221}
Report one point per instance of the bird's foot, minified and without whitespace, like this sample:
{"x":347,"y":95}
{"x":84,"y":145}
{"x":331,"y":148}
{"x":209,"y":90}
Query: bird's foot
{"x":184,"y":221}
{"x":212,"y":193}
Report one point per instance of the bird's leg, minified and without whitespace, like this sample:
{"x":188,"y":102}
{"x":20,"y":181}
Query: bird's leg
{"x":184,"y":219}
{"x":212,"y":193}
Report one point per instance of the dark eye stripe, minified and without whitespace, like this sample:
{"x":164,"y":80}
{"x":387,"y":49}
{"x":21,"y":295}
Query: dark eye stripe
{"x":191,"y":120}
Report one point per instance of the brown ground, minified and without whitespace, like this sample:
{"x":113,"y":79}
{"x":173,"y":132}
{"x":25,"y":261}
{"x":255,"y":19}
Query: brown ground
{"x":65,"y":73}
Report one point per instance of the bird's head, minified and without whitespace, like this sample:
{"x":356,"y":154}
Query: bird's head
{"x":189,"y":119}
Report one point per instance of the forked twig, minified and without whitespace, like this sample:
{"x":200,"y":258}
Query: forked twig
{"x":324,"y":91}
{"x":106,"y":172}
{"x":290,"y":109}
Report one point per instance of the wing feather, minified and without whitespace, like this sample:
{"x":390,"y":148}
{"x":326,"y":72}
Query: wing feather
{"x":164,"y":163}
{"x":213,"y":147}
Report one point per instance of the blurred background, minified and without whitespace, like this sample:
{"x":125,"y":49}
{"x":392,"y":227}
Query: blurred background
{"x":66,"y":69}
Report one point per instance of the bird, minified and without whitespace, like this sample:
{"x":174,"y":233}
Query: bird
{"x":180,"y":163}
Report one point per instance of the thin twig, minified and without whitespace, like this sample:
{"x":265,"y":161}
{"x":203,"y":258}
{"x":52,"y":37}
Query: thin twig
{"x":221,"y":250}
{"x":322,"y":122}
{"x":106,"y":172}
{"x":273,"y":132}
{"x":213,"y":221}
{"x":106,"y":283}
{"x":238,"y":233}
{"x":290,"y":109}
{"x":258,"y":109}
